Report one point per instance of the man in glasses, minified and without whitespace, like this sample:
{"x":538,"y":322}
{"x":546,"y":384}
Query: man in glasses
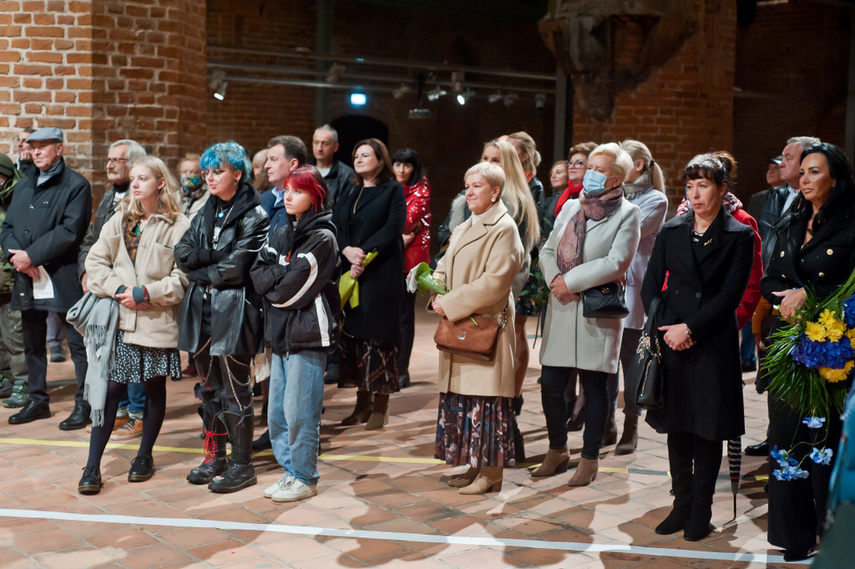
{"x":41,"y":235}
{"x":120,"y":156}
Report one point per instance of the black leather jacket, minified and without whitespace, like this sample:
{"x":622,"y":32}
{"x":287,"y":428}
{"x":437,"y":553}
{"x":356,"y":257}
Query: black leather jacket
{"x":236,"y":310}
{"x":770,"y":220}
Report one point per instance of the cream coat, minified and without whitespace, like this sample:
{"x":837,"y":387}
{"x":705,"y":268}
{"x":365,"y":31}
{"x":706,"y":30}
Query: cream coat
{"x":109,"y":267}
{"x":482,"y":260}
{"x":570,"y":339}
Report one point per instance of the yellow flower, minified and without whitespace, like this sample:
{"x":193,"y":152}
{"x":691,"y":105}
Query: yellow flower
{"x":815,"y":332}
{"x":851,"y":335}
{"x":835,"y":330}
{"x":827,"y":318}
{"x":832,"y":375}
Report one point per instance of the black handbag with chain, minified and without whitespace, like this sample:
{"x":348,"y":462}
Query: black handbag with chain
{"x":646,"y":370}
{"x":605,"y":301}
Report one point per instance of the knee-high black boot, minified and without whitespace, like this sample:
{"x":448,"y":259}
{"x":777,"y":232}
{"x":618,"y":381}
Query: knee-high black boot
{"x":240,"y":472}
{"x":680,"y":462}
{"x":707,"y":459}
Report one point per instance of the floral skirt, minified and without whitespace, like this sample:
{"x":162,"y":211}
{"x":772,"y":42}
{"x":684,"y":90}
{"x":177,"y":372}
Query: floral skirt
{"x":136,"y":364}
{"x":368,"y":365}
{"x":475,"y":430}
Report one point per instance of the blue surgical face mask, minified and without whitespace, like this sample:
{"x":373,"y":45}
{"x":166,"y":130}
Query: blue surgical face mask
{"x":595,"y":183}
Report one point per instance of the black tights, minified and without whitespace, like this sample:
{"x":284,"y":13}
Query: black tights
{"x":155,"y":411}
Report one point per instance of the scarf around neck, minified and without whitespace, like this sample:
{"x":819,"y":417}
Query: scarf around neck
{"x":730,"y":202}
{"x":594,"y":208}
{"x":572,"y":191}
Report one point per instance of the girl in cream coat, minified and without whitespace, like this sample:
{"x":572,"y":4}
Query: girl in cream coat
{"x":608,"y":231}
{"x":475,"y":422}
{"x":133,"y":262}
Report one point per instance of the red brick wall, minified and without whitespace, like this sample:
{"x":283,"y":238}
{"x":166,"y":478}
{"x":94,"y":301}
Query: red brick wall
{"x":684,"y":108}
{"x":792,"y":70}
{"x":103,"y":70}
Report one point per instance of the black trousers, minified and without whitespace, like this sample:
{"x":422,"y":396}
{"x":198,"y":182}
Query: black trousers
{"x":797,"y":507}
{"x":553,"y":382}
{"x":408,"y":331}
{"x":34,"y":327}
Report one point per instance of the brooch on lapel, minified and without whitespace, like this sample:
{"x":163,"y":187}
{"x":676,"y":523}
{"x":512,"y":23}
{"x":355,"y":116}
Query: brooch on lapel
{"x":708,"y":242}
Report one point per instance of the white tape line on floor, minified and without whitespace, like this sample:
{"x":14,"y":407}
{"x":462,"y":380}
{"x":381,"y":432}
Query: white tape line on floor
{"x":395,"y":536}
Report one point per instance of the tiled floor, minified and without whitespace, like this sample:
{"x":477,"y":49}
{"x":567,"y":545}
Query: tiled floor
{"x":382,"y":499}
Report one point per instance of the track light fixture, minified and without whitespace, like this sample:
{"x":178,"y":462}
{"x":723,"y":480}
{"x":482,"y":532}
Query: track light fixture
{"x":436,"y":93}
{"x":539,"y":101}
{"x":495,"y":97}
{"x":463,"y":98}
{"x":218,"y":84}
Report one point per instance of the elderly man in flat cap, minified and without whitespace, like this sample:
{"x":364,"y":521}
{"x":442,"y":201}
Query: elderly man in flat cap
{"x":41,"y":235}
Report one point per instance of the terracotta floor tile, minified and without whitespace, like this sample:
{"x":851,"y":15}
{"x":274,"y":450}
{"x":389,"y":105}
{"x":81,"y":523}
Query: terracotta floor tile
{"x":224,"y":552}
{"x":73,"y":559}
{"x":298,"y":549}
{"x":368,"y":549}
{"x":122,"y":539}
{"x":154,"y":556}
{"x":52,"y":541}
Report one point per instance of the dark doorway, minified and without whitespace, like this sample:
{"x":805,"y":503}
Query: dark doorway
{"x":353,"y":128}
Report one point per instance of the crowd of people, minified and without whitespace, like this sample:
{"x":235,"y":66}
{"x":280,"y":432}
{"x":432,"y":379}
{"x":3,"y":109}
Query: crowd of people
{"x":239,"y":262}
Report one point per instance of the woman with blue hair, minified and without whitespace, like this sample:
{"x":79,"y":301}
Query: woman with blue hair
{"x":221,"y":317}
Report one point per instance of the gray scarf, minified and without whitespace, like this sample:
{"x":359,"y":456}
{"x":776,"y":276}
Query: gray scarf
{"x":638,"y":187}
{"x":97,"y":319}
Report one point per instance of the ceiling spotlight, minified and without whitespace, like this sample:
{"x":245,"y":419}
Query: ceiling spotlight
{"x":335,"y":73}
{"x":419,"y":113}
{"x":495,"y":97}
{"x":358,"y":99}
{"x":510,"y":98}
{"x":539,"y":101}
{"x":457,"y":82}
{"x":436,"y":93}
{"x":220,"y":94}
{"x":402,"y":90}
{"x":462,"y":98}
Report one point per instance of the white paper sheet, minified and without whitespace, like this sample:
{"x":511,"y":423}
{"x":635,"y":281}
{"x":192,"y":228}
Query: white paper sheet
{"x":43,"y":289}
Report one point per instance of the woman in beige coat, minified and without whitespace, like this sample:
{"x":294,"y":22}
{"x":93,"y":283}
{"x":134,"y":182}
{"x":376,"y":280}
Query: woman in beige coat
{"x":476,"y":421}
{"x":133,"y":262}
{"x":592,"y":243}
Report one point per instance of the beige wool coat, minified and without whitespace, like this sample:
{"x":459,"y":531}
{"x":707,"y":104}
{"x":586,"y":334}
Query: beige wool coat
{"x":109,"y":267}
{"x":484,"y":256}
{"x":570,"y":339}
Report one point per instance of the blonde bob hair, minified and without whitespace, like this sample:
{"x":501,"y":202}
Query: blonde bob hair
{"x":167,"y":204}
{"x":623,"y":161}
{"x":493,"y":173}
{"x":517,"y":195}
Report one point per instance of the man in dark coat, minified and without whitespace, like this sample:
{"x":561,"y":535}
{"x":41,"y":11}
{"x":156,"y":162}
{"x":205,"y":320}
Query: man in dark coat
{"x":41,"y":235}
{"x":337,"y":174}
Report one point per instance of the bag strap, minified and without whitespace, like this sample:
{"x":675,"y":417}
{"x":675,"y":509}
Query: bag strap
{"x":650,"y":326}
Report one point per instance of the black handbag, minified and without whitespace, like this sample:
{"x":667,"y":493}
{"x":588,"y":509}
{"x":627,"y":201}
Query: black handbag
{"x":605,"y":301}
{"x":646,"y":370}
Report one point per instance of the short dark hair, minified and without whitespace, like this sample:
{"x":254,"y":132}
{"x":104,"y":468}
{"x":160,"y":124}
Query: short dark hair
{"x":841,"y":199}
{"x":293,"y":146}
{"x":385,"y":173}
{"x":411,"y":157}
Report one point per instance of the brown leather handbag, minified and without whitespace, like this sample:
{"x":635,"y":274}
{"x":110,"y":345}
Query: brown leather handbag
{"x":474,"y":337}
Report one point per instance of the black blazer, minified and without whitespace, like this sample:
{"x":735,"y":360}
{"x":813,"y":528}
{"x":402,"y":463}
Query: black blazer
{"x":823,"y":264}
{"x":374,"y":218}
{"x":703,"y":385}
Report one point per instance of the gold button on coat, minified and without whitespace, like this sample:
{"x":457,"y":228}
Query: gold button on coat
{"x":830,"y":252}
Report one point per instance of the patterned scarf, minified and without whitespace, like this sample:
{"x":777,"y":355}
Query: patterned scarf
{"x":730,"y":202}
{"x":594,"y":208}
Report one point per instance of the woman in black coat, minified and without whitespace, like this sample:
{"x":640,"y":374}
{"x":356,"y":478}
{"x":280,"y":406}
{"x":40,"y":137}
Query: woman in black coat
{"x":371,"y":217}
{"x":221,"y":318}
{"x":815,"y":248}
{"x":707,"y":256}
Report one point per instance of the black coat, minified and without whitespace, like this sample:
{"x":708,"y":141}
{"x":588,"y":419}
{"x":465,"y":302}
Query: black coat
{"x":703,"y":385}
{"x":236,"y":310}
{"x":339,"y":179}
{"x":102,"y":214}
{"x":297,"y":273}
{"x":275,"y":211}
{"x":824,"y":263}
{"x":49,"y":222}
{"x":373,"y":219}
{"x":770,"y":218}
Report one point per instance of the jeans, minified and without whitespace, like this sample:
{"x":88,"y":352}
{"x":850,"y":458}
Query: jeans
{"x":296,"y":395}
{"x":134,"y":401}
{"x":594,"y":383}
{"x":746,"y":350}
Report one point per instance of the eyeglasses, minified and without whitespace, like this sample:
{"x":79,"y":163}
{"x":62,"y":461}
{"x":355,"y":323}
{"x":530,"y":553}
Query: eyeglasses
{"x":214,"y":173}
{"x":577,"y":164}
{"x":109,"y":161}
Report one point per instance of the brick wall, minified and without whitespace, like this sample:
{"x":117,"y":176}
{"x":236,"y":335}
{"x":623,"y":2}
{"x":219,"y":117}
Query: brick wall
{"x":685,"y":107}
{"x":103,"y":70}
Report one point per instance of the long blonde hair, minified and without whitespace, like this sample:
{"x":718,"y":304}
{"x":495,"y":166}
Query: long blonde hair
{"x":517,"y":195}
{"x":639,"y":151}
{"x":167,"y":204}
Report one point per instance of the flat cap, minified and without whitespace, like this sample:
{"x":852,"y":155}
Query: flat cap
{"x":47,"y":133}
{"x":7,"y":169}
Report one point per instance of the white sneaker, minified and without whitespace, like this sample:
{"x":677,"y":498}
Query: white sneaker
{"x":283,"y":482}
{"x":295,"y":491}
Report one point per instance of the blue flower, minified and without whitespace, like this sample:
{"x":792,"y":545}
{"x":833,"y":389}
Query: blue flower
{"x":815,"y":355}
{"x":790,"y":472}
{"x":849,"y":311}
{"x":821,"y":456}
{"x":783,"y":457}
{"x":814,"y":422}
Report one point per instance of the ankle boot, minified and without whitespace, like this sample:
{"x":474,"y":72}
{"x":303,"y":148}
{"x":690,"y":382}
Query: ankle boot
{"x":464,"y":479}
{"x":629,"y":438}
{"x":362,"y":410}
{"x":519,"y":445}
{"x":556,"y":462}
{"x":215,"y":459}
{"x":240,"y":473}
{"x":489,"y":479}
{"x":610,"y":434}
{"x":586,"y":472}
{"x":380,"y":414}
